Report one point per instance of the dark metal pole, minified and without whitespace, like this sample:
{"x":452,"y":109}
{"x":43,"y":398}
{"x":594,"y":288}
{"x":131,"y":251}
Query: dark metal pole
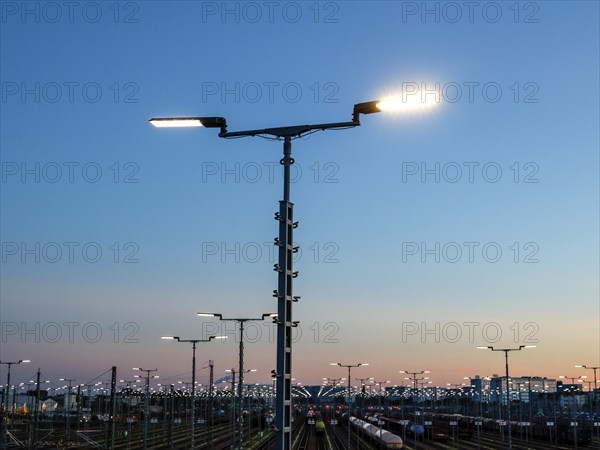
{"x":146,"y":411}
{"x":68,"y":408}
{"x":241,"y":388}
{"x":36,"y":409}
{"x":146,"y":403}
{"x":348,"y":417}
{"x":6,"y":394}
{"x":112,"y":410}
{"x":232,"y":408}
{"x":172,"y":416}
{"x":508,"y":401}
{"x":193,"y":394}
{"x":210,"y":396}
{"x":283,"y":410}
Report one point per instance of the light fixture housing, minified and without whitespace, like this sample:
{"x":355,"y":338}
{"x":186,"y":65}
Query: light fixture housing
{"x":365,"y":108}
{"x":186,"y":122}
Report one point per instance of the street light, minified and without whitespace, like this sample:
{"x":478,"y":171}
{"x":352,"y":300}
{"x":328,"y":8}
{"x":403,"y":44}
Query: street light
{"x":506,"y":351}
{"x":349,"y":367}
{"x":68,"y":404}
{"x":240,"y":395}
{"x":578,"y":378}
{"x":7,"y":395}
{"x":583,"y":366}
{"x":148,"y":371}
{"x":415,"y":379}
{"x":193,"y":342}
{"x":241,"y":321}
{"x":573,"y":404}
{"x":283,"y":293}
{"x":382,"y":405}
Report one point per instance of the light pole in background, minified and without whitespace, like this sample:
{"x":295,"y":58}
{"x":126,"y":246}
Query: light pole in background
{"x":67,"y":405}
{"x":573,"y":406}
{"x":193,"y":342}
{"x":455,"y":388}
{"x":363,"y":390}
{"x":595,"y":423}
{"x":349,"y":367}
{"x":232,"y":371}
{"x":240,"y":402}
{"x":382,"y":404}
{"x":334,"y":382}
{"x":6,"y":399}
{"x":479,"y":420}
{"x":415,"y":379}
{"x":146,"y":403}
{"x":583,"y":366}
{"x":242,"y":322}
{"x":285,"y":217}
{"x":506,"y":351}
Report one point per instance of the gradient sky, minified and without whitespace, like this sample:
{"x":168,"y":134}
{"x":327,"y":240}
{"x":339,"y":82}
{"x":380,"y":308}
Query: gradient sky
{"x":191,"y":215}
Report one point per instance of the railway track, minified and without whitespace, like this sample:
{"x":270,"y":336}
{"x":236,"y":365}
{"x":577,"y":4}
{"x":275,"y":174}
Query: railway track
{"x":217,"y":438}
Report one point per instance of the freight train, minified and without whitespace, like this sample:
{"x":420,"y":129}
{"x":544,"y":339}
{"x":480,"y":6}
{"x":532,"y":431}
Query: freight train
{"x":376,"y":434}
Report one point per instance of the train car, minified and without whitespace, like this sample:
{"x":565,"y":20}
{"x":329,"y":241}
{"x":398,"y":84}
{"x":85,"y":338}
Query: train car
{"x":320,"y":427}
{"x":380,"y":436}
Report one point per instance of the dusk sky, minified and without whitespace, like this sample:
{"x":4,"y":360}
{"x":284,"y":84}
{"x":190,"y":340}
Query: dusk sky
{"x":423,"y":234}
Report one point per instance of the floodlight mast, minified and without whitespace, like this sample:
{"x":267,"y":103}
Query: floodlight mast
{"x":285,"y":217}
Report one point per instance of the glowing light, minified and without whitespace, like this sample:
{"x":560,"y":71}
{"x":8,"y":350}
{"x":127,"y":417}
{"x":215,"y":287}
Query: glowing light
{"x":407,"y":103}
{"x":176,"y":123}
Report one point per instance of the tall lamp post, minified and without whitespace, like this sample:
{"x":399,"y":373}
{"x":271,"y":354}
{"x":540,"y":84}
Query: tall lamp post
{"x":479,"y":420}
{"x":146,"y":404}
{"x":68,"y":405}
{"x":240,"y":401}
{"x":415,"y":379}
{"x":573,"y":406}
{"x":583,"y":366}
{"x":381,"y":397}
{"x":284,"y":295}
{"x":242,"y":322}
{"x":334,"y":382}
{"x":594,"y":393}
{"x":455,"y":393}
{"x":6,"y":399}
{"x":193,"y":342}
{"x":363,"y":386}
{"x":506,"y":351}
{"x":232,"y":371}
{"x":349,"y":367}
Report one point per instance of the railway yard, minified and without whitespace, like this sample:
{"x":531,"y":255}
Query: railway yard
{"x":311,"y":431}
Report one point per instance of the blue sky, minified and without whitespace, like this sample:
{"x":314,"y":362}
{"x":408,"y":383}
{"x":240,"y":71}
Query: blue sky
{"x":175,"y":201}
